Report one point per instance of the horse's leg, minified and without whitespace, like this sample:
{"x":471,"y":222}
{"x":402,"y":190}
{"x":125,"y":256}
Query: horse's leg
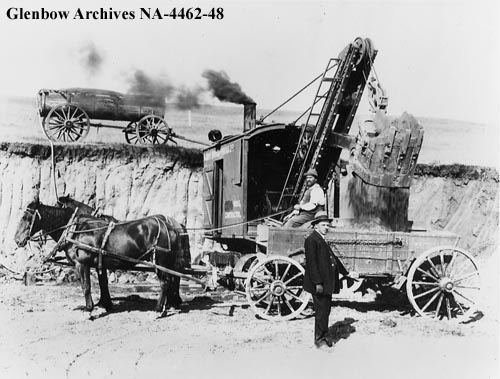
{"x":105,"y":300}
{"x":173,"y":296}
{"x":85,"y":280}
{"x":164,"y":284}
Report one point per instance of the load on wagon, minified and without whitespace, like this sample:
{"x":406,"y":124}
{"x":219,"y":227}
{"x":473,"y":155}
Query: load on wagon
{"x":67,"y":114}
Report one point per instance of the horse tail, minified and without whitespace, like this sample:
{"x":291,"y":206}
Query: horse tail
{"x":181,"y":245}
{"x":184,"y":245}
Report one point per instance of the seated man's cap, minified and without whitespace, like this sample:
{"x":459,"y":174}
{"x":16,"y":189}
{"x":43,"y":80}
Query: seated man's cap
{"x":312,"y":172}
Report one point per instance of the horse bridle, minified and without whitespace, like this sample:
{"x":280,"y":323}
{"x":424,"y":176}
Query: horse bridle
{"x":34,"y":213}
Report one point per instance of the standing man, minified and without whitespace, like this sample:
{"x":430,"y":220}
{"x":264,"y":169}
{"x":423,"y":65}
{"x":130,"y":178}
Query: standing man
{"x":312,"y":202}
{"x":321,"y":277}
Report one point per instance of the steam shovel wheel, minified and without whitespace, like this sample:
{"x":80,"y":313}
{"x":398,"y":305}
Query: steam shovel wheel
{"x":274,"y":289}
{"x":67,"y":123}
{"x":444,"y":282}
{"x":152,"y":129}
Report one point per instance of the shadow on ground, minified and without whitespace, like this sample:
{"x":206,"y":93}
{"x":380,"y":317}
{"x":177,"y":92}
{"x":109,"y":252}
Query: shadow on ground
{"x":341,"y":330}
{"x":385,"y":299}
{"x":136,"y":303}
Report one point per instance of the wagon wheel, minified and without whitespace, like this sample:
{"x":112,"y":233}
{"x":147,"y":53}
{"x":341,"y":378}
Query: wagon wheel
{"x":274,"y":289}
{"x":67,"y":122}
{"x":443,"y":282}
{"x":152,"y":129}
{"x":131,"y":133}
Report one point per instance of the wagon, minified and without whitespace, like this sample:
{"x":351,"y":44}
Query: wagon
{"x":68,"y":114}
{"x":440,"y":279}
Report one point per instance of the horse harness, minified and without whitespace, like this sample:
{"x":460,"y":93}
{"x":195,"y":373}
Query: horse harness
{"x":67,"y":237}
{"x":34,"y":213}
{"x":69,"y":230}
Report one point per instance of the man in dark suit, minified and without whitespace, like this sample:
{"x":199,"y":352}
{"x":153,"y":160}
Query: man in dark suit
{"x":321,"y":277}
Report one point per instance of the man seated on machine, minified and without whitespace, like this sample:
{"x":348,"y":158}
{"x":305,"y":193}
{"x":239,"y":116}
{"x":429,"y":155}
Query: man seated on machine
{"x":312,"y":202}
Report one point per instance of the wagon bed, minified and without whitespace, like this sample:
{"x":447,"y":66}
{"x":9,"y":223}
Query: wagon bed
{"x":102,"y":104}
{"x":367,"y":253}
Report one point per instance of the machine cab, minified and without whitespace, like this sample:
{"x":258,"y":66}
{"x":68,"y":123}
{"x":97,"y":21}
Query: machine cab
{"x":243,"y":178}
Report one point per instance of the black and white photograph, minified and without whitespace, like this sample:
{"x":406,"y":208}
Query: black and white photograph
{"x":249,"y":189}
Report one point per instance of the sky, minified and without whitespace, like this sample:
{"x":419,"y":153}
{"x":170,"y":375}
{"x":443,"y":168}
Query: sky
{"x":435,"y":58}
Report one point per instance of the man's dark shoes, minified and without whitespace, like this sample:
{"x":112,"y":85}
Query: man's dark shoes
{"x":319,"y":343}
{"x":323,"y":343}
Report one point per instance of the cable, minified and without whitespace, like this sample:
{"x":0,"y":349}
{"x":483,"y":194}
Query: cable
{"x":295,"y":95}
{"x":52,"y":153}
{"x":240,"y":223}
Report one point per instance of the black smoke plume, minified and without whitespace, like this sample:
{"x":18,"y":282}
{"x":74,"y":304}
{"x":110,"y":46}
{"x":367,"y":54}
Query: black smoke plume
{"x":150,"y":89}
{"x":91,"y":59}
{"x":141,"y":83}
{"x":223,"y":89}
{"x":188,"y":98}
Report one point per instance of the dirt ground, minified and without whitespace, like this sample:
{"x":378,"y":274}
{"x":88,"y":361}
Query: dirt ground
{"x":46,"y":334}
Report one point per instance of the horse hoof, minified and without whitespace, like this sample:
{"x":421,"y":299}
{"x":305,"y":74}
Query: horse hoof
{"x":158,"y":315}
{"x":97,"y":313}
{"x":159,"y":309}
{"x":162,"y":314}
{"x":174,"y":306}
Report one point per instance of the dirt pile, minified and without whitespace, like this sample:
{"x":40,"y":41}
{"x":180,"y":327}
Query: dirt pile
{"x":384,"y":207}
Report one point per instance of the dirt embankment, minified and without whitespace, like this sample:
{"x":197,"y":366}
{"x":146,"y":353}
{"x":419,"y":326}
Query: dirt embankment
{"x":124,"y":181}
{"x":130,"y":181}
{"x":461,"y":199}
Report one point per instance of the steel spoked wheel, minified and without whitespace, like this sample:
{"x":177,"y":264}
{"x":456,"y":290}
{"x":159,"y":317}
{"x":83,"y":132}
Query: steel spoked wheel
{"x":274,"y":289}
{"x":152,"y":129}
{"x":444,"y":282}
{"x":68,"y":123}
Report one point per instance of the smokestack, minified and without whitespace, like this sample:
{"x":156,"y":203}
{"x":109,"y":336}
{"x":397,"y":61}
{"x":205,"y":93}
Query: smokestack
{"x":249,"y":116}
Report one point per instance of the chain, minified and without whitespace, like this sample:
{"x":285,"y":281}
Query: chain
{"x":396,"y":242}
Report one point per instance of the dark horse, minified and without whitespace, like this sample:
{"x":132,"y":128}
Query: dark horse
{"x":173,"y":295}
{"x":132,"y":239}
{"x":83,"y":209}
